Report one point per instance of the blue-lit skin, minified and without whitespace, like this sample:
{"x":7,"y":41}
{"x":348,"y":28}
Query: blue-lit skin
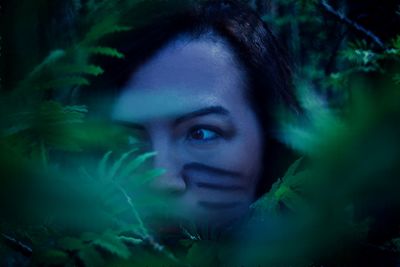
{"x":189,"y":99}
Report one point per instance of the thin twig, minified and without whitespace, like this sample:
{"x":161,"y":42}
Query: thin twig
{"x":148,"y":238}
{"x":351,"y":23}
{"x":134,"y":210}
{"x":24,"y":249}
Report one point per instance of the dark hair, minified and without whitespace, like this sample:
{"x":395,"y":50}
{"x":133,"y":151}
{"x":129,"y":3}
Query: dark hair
{"x":255,"y":47}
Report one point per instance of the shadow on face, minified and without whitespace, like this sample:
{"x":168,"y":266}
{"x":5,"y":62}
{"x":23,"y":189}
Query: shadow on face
{"x":189,"y":101}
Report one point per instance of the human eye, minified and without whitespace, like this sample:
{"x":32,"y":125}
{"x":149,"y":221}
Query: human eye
{"x":203,"y":134}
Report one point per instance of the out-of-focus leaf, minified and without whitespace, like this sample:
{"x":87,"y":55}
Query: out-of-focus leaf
{"x":64,"y":82}
{"x":53,"y":257}
{"x":91,"y":257}
{"x":113,"y":244}
{"x":102,"y":168}
{"x":70,"y":244}
{"x":118,"y":164}
{"x":134,"y":164}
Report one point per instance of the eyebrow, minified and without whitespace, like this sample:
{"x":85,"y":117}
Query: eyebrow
{"x":202,"y":112}
{"x":197,"y":113}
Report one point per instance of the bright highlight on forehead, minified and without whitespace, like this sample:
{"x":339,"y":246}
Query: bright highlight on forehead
{"x":186,"y":74}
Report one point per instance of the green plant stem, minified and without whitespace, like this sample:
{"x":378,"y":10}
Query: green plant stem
{"x":145,"y":234}
{"x":134,"y":210}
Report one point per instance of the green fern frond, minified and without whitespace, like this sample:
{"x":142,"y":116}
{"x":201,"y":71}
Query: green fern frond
{"x":63,"y":82}
{"x":100,"y":29}
{"x":396,"y":78}
{"x":81,"y":69}
{"x":134,"y":164}
{"x":105,"y":51}
{"x":56,"y":126}
{"x":148,"y":176}
{"x":364,"y":57}
{"x":107,"y":26}
{"x":53,"y":57}
{"x":54,"y":113}
{"x":102,"y":167}
{"x":130,"y":240}
{"x":308,"y":3}
{"x":360,"y":44}
{"x":90,"y":257}
{"x":113,"y":245}
{"x":396,"y":42}
{"x":117,"y":165}
{"x":359,"y":56}
{"x":293,"y":168}
{"x":121,"y":28}
{"x":81,"y":109}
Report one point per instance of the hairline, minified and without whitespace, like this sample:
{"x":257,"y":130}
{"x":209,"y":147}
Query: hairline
{"x":207,"y":33}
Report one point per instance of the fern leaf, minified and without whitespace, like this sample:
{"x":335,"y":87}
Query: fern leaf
{"x":55,"y":125}
{"x":82,"y":69}
{"x":64,"y":82}
{"x":105,"y":51}
{"x":53,"y":56}
{"x":149,"y":176}
{"x":130,"y":240}
{"x":121,"y":28}
{"x":107,"y":26}
{"x":133,"y":165}
{"x":102,"y":168}
{"x":113,"y":245}
{"x":52,"y":112}
{"x":293,"y":168}
{"x":117,"y":165}
{"x":100,"y":29}
{"x":82,"y":109}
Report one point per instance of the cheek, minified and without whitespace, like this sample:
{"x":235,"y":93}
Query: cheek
{"x":242,"y":153}
{"x":246,"y":151}
{"x":245,"y":154}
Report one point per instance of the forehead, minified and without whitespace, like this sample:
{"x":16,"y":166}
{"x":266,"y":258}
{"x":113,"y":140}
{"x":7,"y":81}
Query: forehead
{"x":186,"y":74}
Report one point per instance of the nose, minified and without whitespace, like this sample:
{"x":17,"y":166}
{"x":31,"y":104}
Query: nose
{"x":172,"y":180}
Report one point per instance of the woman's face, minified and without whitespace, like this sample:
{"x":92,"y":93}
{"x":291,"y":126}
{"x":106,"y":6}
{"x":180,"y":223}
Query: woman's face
{"x":189,"y":100}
